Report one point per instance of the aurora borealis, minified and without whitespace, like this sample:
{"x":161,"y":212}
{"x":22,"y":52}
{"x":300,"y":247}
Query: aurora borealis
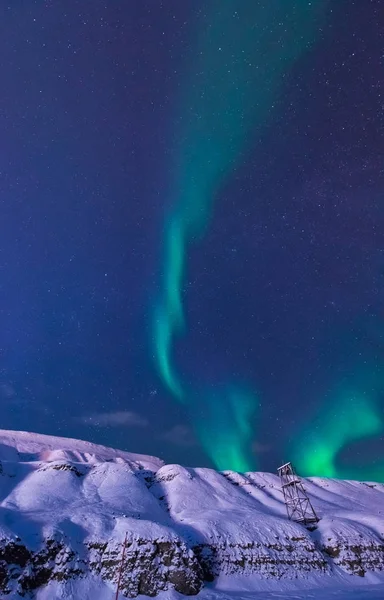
{"x":242,"y":55}
{"x":353,"y":418}
{"x":193,"y":230}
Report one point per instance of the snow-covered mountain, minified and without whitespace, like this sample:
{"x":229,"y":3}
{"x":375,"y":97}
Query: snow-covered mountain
{"x":66,"y":506}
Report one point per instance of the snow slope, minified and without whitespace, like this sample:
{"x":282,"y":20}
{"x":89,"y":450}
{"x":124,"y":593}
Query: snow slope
{"x":66,"y":505}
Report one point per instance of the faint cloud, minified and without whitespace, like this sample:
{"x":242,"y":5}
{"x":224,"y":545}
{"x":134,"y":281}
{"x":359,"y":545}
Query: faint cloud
{"x":115,"y":419}
{"x":258,"y":448}
{"x":179,"y":435}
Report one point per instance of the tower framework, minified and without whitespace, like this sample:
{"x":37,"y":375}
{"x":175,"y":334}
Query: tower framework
{"x":299,"y":507}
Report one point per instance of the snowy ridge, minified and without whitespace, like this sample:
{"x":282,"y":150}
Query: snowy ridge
{"x":22,"y":445}
{"x":66,"y":506}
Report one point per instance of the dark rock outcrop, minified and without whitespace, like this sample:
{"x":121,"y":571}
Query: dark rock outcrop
{"x":153,"y":566}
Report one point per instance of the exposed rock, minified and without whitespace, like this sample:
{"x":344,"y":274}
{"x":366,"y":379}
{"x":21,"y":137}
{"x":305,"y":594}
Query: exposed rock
{"x":357,"y":559}
{"x":149,"y":566}
{"x":153,"y":566}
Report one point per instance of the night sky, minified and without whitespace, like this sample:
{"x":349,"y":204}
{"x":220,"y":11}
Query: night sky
{"x":192,"y":229}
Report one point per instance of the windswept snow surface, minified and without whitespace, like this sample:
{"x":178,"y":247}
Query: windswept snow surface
{"x":83,"y":494}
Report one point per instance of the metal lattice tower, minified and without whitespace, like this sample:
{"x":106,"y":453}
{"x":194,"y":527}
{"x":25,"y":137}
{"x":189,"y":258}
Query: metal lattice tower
{"x":299,"y":507}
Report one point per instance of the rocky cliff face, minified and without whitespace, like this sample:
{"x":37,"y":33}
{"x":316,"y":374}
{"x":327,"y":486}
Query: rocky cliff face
{"x":152,"y":566}
{"x":64,"y":514}
{"x":149,"y":566}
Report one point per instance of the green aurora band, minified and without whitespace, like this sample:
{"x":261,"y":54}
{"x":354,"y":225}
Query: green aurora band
{"x":352,"y":413}
{"x":231,"y":410}
{"x":243,"y":52}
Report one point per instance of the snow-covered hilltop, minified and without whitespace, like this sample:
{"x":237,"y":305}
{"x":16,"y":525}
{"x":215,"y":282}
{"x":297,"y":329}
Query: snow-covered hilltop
{"x":22,"y":446}
{"x":66,"y":506}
